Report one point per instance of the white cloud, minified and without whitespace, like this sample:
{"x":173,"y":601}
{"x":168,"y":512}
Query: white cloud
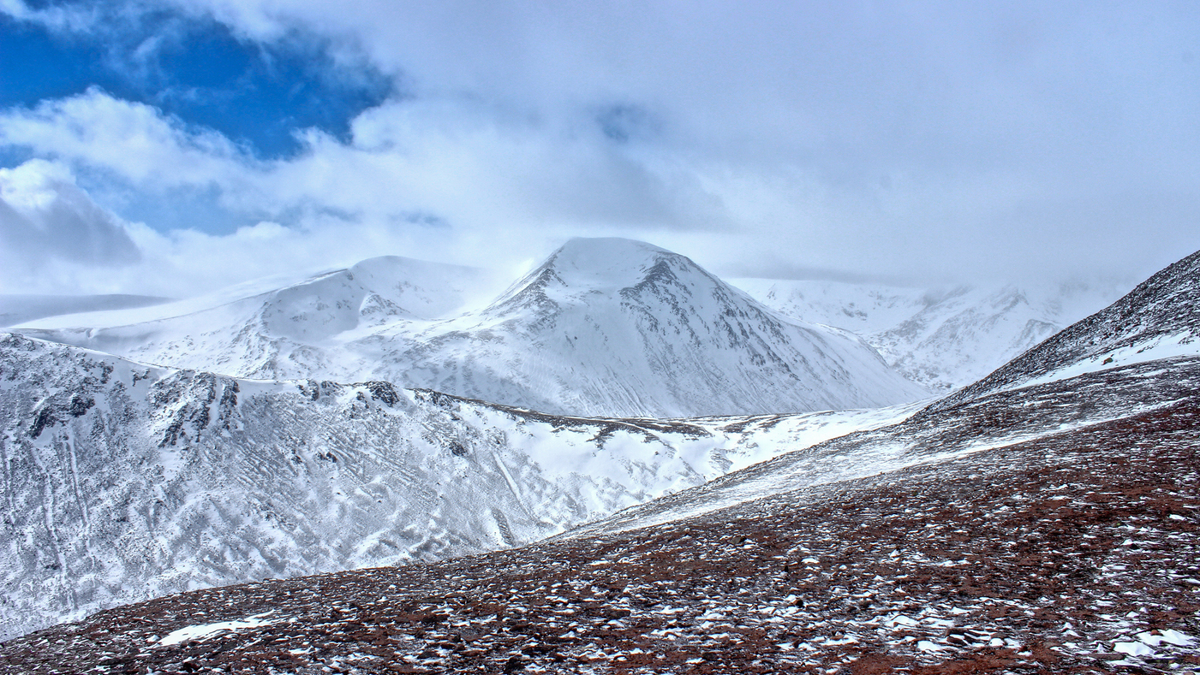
{"x":880,"y":139}
{"x":484,"y":177}
{"x":46,"y":219}
{"x":133,"y":140}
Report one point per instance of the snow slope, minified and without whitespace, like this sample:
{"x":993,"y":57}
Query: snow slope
{"x":1160,"y":319}
{"x":604,"y":327}
{"x":281,"y":327}
{"x":121,"y":481}
{"x":944,"y":338}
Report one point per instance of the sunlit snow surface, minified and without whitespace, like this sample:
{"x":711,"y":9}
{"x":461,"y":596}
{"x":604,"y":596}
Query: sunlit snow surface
{"x":605,"y":327}
{"x":207,"y":630}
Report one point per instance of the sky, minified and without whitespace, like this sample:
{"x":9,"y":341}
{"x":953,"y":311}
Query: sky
{"x":171,"y":148}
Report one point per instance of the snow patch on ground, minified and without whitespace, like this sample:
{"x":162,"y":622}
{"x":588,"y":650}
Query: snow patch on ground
{"x":1165,"y":347}
{"x":205,"y":631}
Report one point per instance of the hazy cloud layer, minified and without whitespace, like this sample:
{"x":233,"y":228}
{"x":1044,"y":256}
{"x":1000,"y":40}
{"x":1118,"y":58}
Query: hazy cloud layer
{"x":45,"y":219}
{"x":929,"y":141}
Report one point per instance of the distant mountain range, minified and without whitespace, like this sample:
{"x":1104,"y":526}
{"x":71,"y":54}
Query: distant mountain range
{"x":603,"y":327}
{"x":942,"y":338}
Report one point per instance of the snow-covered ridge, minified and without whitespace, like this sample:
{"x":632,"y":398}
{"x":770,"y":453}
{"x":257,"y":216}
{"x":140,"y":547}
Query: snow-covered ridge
{"x":1159,"y":319}
{"x":123,"y":481}
{"x":944,"y":338}
{"x":607,"y":327}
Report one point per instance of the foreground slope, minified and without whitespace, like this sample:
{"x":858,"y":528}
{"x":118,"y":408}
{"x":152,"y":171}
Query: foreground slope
{"x":1075,"y":551}
{"x":605,"y":327}
{"x":122,"y":481}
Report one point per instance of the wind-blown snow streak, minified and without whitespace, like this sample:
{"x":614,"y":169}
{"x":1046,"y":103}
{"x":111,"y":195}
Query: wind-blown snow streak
{"x":122,"y":481}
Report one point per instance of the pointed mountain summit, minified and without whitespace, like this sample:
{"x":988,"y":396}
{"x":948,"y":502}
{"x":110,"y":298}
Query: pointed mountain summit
{"x":621,"y":328}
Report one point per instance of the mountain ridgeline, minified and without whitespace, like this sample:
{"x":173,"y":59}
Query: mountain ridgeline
{"x":605,"y":327}
{"x":1160,"y":318}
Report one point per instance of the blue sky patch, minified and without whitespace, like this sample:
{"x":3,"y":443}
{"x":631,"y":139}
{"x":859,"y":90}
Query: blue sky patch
{"x":257,"y":95}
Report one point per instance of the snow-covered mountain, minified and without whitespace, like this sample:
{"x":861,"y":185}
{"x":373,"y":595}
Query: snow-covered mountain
{"x":122,"y":481}
{"x":943,"y":338}
{"x":981,"y":532}
{"x":280,"y":328}
{"x":604,"y":327}
{"x":1160,"y":319}
{"x":616,"y":327}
